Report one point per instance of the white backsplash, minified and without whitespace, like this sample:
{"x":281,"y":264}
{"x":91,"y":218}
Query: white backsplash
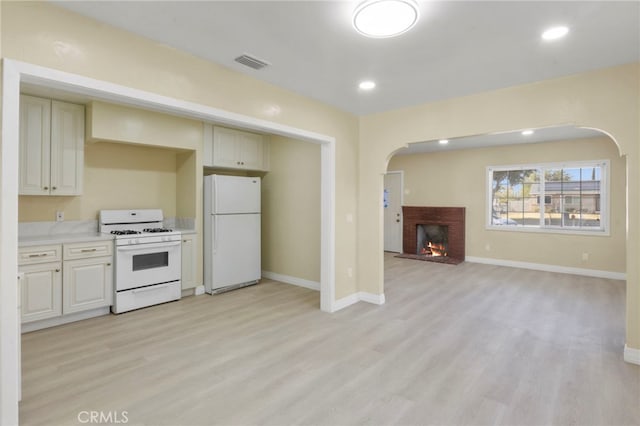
{"x":184,"y":223}
{"x":35,"y":229}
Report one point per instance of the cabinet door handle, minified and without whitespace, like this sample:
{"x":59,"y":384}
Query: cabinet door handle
{"x":53,"y":188}
{"x":46,"y":188}
{"x":109,"y":264}
{"x":57,"y":270}
{"x":38,"y":255}
{"x":88,"y":250}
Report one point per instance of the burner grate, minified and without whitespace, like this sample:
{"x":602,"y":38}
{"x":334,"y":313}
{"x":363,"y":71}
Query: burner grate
{"x":125,"y":232}
{"x":155,"y":230}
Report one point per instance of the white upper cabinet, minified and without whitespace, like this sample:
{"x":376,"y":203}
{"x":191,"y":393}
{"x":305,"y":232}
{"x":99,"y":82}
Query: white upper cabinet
{"x":35,"y":145}
{"x":67,"y":148}
{"x":51,"y":147}
{"x":235,"y":149}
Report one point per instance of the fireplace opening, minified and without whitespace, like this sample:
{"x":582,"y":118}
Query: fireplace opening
{"x":432,"y":240}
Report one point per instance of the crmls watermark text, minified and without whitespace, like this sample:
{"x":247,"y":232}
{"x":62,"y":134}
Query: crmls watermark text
{"x":103,"y":417}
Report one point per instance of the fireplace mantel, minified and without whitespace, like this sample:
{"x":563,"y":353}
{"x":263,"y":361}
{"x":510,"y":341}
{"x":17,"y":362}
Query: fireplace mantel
{"x":452,"y":217}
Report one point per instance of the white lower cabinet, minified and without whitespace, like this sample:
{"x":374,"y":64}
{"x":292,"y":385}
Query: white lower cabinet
{"x":62,"y":279}
{"x":87,"y":284}
{"x":41,"y":291}
{"x":189,"y":256}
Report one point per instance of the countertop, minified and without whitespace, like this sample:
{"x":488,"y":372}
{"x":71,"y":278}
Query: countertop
{"x":36,"y":240}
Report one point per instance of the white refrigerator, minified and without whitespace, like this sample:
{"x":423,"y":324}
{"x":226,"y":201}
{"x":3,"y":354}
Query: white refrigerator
{"x":231,"y":232}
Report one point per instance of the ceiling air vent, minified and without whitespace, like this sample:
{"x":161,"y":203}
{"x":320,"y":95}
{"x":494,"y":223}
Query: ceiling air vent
{"x":251,"y":62}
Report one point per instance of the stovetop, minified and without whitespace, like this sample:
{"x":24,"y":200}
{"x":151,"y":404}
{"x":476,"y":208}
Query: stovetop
{"x":119,"y":232}
{"x":136,"y":226}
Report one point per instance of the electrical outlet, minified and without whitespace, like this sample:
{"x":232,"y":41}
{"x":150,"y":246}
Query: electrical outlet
{"x":59,"y":216}
{"x":585,"y":257}
{"x":350,"y":272}
{"x":487,"y":247}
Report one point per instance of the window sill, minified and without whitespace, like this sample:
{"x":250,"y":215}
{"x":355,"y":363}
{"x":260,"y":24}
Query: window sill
{"x":556,"y":231}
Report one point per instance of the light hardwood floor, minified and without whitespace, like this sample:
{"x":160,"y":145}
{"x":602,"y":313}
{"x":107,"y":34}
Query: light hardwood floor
{"x":469,"y":344}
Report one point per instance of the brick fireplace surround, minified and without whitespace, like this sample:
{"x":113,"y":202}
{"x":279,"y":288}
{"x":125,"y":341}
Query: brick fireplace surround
{"x":452,"y":217}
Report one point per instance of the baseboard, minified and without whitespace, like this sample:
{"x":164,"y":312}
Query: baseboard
{"x":631,"y":355}
{"x":362,"y":296}
{"x":376,"y":299}
{"x":549,"y":268}
{"x":64,"y":319}
{"x":199,"y":290}
{"x":300,"y":282}
{"x":344,"y":302}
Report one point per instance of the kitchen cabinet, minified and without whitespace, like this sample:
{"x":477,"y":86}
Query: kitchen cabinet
{"x":41,"y":286}
{"x":235,"y":149}
{"x":87,"y":276}
{"x":51,"y":147}
{"x":189,"y":264}
{"x":61,"y":279}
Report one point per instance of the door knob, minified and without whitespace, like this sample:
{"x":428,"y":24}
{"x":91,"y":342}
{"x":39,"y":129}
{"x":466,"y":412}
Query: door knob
{"x":398,"y":220}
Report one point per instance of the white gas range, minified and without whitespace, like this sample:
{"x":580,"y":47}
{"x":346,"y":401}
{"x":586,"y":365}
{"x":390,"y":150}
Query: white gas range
{"x":147,"y":261}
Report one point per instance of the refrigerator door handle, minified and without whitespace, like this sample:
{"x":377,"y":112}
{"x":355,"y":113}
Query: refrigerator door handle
{"x":215,"y":233}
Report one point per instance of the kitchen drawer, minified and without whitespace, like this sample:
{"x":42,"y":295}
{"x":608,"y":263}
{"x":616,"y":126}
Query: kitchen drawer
{"x":85,"y":250}
{"x":39,"y":254}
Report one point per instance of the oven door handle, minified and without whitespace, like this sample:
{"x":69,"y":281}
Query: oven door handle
{"x":139,"y":247}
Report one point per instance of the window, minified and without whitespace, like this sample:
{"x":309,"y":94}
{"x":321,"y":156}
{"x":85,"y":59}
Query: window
{"x":575,"y":197}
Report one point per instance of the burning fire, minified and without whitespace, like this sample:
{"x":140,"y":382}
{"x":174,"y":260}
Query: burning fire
{"x":434,"y":250}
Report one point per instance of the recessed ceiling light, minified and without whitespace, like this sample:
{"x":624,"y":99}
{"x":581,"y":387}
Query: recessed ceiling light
{"x":555,"y":33}
{"x":367,"y":85}
{"x":443,"y":141}
{"x":527,"y":132}
{"x":385,"y":18}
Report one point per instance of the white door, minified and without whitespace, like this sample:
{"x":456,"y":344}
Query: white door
{"x":225,"y":148}
{"x":87,"y":284}
{"x":35,"y":145}
{"x":236,"y":194}
{"x":393,"y":212}
{"x":189,"y":258}
{"x":41,"y":291}
{"x":142,"y":265}
{"x":67,"y":148}
{"x":236,"y":249}
{"x":251,"y":151}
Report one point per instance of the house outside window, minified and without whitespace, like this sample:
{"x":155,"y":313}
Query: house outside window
{"x":575,"y":197}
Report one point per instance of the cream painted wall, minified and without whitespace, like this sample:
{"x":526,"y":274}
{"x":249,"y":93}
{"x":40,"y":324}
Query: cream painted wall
{"x":458,"y":178}
{"x":43,"y":34}
{"x":291,"y":210}
{"x":605,"y":99}
{"x":116,"y":176}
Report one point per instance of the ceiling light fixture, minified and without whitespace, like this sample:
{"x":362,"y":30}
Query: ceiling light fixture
{"x":443,"y":141}
{"x":555,"y":33}
{"x":385,"y":18}
{"x":527,"y":132}
{"x":367,"y":85}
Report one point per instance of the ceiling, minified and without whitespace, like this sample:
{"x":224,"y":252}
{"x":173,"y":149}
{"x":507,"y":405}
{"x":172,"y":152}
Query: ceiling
{"x":457,"y":48}
{"x":547,"y":134}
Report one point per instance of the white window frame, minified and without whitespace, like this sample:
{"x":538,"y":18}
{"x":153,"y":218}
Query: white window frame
{"x":602,"y":230}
